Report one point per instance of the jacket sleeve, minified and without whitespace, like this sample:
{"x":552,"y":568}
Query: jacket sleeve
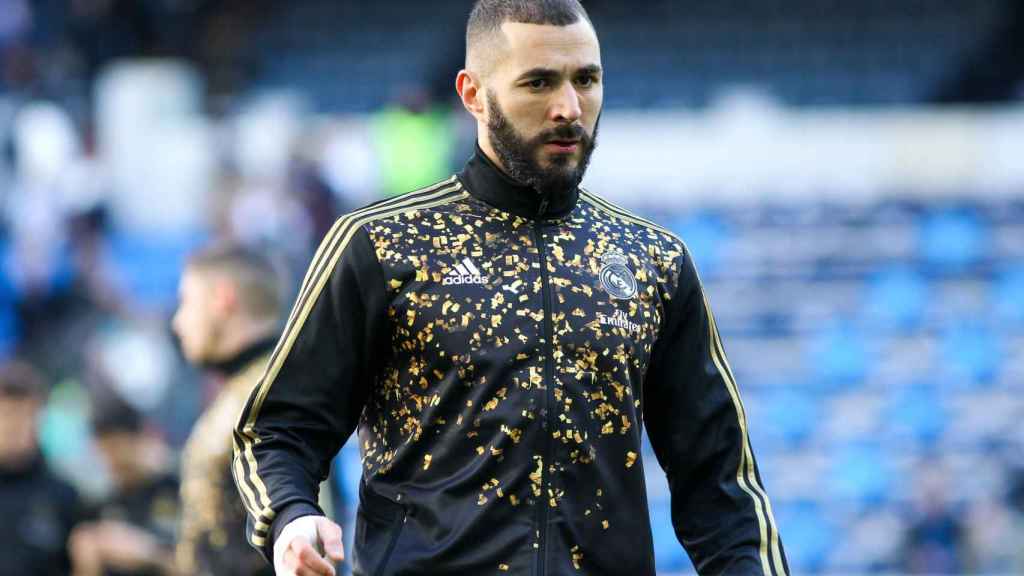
{"x":697,"y":427}
{"x":314,"y":388}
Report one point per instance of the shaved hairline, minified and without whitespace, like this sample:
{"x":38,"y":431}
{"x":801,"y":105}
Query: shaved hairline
{"x":487,"y":51}
{"x":485,"y":34}
{"x":482,"y":52}
{"x":255,"y":277}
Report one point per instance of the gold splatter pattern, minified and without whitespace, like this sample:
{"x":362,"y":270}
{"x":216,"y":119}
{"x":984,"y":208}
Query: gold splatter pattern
{"x":511,"y":366}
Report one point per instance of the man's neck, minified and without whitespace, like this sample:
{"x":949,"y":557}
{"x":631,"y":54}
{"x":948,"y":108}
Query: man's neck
{"x":129,"y":479}
{"x":242,"y":334}
{"x":243,"y":345}
{"x":487,"y":182}
{"x":488,"y":149}
{"x":19,"y":462}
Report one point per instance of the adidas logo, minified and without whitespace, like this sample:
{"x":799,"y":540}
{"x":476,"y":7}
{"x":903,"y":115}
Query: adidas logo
{"x":464,"y":273}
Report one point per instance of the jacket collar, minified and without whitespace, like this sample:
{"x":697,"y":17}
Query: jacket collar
{"x":486,"y":182}
{"x":236,"y":363}
{"x":30,"y":466}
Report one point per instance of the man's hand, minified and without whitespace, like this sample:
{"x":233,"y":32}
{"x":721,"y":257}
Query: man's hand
{"x":85,"y":555}
{"x":97,"y":546}
{"x":126,"y":547}
{"x":297,"y":549}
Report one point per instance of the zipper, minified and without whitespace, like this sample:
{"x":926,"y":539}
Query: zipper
{"x":396,"y":531}
{"x":549,"y":381}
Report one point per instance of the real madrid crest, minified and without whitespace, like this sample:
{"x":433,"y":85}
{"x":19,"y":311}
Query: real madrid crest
{"x":616,"y":278}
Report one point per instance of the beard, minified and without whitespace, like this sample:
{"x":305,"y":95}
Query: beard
{"x":521,"y":157}
{"x":203,"y":354}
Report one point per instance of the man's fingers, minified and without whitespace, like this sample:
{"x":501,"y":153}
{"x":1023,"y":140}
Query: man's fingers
{"x":306,"y":560}
{"x":330,"y":537}
{"x":297,"y":551}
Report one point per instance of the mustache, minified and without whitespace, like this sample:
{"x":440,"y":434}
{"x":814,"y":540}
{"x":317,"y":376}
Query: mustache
{"x":565,"y":132}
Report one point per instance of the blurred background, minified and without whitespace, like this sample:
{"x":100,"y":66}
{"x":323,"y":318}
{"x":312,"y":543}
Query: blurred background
{"x":848,"y":174}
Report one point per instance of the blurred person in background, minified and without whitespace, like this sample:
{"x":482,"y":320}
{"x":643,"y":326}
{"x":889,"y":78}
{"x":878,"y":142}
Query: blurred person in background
{"x":227,"y":317}
{"x":413,"y":139}
{"x":133,"y":534}
{"x":39,"y":509}
{"x":498,"y":339}
{"x":55,"y":222}
{"x":936,"y":541}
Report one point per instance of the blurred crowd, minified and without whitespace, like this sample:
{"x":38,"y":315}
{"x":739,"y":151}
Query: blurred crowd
{"x":96,"y":398}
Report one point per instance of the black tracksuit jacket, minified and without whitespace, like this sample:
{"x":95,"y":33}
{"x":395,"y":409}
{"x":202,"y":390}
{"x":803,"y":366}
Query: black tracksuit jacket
{"x":499,"y":351}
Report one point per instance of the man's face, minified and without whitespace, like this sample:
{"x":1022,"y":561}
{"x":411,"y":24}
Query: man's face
{"x":544,"y":101}
{"x":18,"y":426}
{"x":120,"y":449}
{"x":196,"y":320}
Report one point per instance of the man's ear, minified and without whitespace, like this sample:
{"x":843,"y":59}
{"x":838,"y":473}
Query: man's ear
{"x":471,"y":93}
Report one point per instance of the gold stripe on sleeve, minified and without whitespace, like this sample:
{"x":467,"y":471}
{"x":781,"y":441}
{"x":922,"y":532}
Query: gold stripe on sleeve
{"x":740,"y":470}
{"x":338,"y":240}
{"x":749,"y":458}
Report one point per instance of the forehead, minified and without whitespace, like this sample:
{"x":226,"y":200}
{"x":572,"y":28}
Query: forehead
{"x":17,"y":401}
{"x":545,"y":46}
{"x":193,"y":280}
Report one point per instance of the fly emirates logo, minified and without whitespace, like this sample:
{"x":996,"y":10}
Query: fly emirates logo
{"x":619,"y":320}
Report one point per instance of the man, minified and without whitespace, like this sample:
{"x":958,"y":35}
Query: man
{"x":133,"y":533}
{"x":229,"y":310}
{"x":39,"y":510}
{"x":499,"y":339}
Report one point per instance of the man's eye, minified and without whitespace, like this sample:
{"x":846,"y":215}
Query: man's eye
{"x":538,"y":83}
{"x":586,"y":81}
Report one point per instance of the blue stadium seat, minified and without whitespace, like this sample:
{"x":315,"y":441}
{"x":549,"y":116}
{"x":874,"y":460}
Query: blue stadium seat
{"x":788,"y":416}
{"x":861,"y":474}
{"x":896,"y":299}
{"x":348,"y":469}
{"x":668,"y":553}
{"x":917,"y":413}
{"x":1008,"y":298}
{"x":953,"y":239}
{"x":807,"y":533}
{"x":887,"y":54}
{"x":838,"y":355}
{"x":972,"y":354}
{"x":705,"y":234}
{"x":9,"y":328}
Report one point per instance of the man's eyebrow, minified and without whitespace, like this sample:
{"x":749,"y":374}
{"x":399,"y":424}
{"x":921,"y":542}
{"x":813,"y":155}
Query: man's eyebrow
{"x":590,"y":69}
{"x":538,"y":73}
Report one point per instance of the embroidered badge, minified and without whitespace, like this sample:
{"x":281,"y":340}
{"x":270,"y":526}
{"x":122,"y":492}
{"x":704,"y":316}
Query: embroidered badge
{"x":616,"y":278}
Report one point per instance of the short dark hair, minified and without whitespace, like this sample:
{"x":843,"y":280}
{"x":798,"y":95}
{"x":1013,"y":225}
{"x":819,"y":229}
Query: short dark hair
{"x":257,"y":278}
{"x":487,"y":16}
{"x":19,"y":379}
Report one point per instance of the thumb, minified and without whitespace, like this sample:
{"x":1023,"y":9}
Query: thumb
{"x":330,"y":537}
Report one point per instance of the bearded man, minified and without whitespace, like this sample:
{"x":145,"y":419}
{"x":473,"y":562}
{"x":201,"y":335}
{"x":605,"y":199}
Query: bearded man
{"x":499,"y":340}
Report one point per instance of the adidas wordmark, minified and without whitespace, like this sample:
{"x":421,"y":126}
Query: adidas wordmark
{"x":465,"y":273}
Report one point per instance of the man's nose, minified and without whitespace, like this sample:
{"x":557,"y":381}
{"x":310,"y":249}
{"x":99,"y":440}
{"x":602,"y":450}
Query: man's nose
{"x":566,"y":107}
